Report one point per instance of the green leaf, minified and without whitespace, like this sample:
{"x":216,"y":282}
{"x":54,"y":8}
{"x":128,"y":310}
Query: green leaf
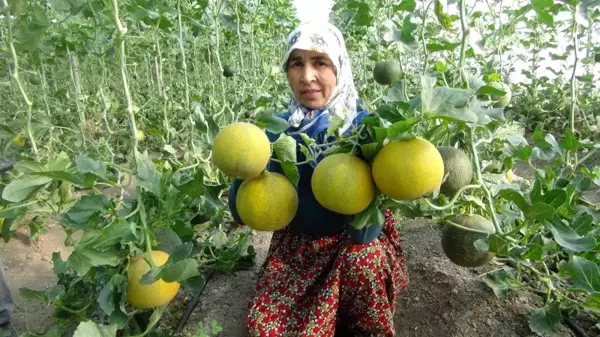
{"x":88,"y":165}
{"x":92,"y":329}
{"x":195,"y":283}
{"x":149,"y":178}
{"x":555,"y":198}
{"x":536,"y":191}
{"x":443,"y":18}
{"x":285,"y":150}
{"x":405,"y":5}
{"x":82,"y":260}
{"x":401,"y":129}
{"x":40,"y":296}
{"x":380,"y":134}
{"x":440,"y":66}
{"x":397,"y":93}
{"x":568,"y":142}
{"x":455,"y":104}
{"x":369,"y":150}
{"x":539,"y":212}
{"x":534,"y":252}
{"x":167,"y":239}
{"x":9,"y":225}
{"x":544,"y":319}
{"x":112,"y":293}
{"x":212,"y":128}
{"x":180,"y":271}
{"x":60,"y":266}
{"x":541,"y":8}
{"x":592,"y":303}
{"x":119,"y":231}
{"x":219,"y":239}
{"x":515,"y":197}
{"x":180,"y":252}
{"x":370,"y":216}
{"x":391,"y":113}
{"x":215,"y":327}
{"x":307,"y":140}
{"x":87,"y":206}
{"x":521,"y":152}
{"x":585,"y":274}
{"x":20,"y":188}
{"x":490,"y":90}
{"x":26,"y":166}
{"x":406,"y":35}
{"x":188,"y":184}
{"x":336,"y":123}
{"x":271,"y":122}
{"x":443,"y":46}
{"x":497,"y":280}
{"x":583,"y":224}
{"x":568,"y":238}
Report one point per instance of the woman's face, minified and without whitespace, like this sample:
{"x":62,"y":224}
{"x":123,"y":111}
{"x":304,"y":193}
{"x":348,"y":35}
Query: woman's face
{"x":312,"y":77}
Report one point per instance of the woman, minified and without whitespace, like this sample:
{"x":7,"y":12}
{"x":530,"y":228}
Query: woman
{"x":322,"y":277}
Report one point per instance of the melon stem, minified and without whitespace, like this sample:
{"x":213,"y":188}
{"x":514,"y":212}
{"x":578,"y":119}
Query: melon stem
{"x":488,"y":194}
{"x":453,"y":200}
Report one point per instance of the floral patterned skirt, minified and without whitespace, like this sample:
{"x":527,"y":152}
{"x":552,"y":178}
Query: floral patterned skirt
{"x":328,"y":287}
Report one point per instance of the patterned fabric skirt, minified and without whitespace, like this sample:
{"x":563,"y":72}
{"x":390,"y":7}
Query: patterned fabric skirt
{"x":328,"y":286}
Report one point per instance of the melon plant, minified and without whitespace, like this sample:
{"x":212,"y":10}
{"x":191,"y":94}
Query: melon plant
{"x":114,"y":114}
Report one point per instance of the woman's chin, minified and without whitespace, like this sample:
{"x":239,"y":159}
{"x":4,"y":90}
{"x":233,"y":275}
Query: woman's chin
{"x":313,"y":105}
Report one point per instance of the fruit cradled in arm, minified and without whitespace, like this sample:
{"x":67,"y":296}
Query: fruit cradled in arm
{"x":369,"y":233}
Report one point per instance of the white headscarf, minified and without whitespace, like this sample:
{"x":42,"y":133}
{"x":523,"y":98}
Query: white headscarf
{"x":323,"y":37}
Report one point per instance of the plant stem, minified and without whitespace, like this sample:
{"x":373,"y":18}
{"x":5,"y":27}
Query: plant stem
{"x":488,"y":194}
{"x":574,"y":85}
{"x":77,"y":87}
{"x":472,"y":230}
{"x":453,"y":200}
{"x":463,"y":43}
{"x":15,"y":76}
{"x":121,"y":30}
{"x":426,"y":56}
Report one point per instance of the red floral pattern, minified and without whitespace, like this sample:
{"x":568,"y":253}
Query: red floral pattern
{"x":309,"y":287}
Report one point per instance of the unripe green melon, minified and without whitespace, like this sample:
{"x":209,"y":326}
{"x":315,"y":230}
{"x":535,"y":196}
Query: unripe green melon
{"x":458,"y":244}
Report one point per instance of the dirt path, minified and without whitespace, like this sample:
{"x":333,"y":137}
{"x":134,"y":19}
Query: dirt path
{"x":29,"y":264}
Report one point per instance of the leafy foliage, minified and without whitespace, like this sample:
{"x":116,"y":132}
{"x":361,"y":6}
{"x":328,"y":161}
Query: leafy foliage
{"x":84,"y":79}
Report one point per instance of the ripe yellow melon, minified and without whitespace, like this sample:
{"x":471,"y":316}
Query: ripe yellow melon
{"x":19,"y":141}
{"x":241,"y":150}
{"x":408,"y":169}
{"x":509,"y":176}
{"x":267,"y":202}
{"x":343,"y":183}
{"x":148,"y":296}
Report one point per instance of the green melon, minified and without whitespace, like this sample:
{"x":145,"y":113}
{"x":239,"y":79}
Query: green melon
{"x":501,"y":101}
{"x":459,"y":168}
{"x":387,"y":72}
{"x":458,"y":244}
{"x":228,"y":71}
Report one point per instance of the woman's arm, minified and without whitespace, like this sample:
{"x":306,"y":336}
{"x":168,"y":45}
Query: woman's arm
{"x":364,"y":235}
{"x":231,"y":200}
